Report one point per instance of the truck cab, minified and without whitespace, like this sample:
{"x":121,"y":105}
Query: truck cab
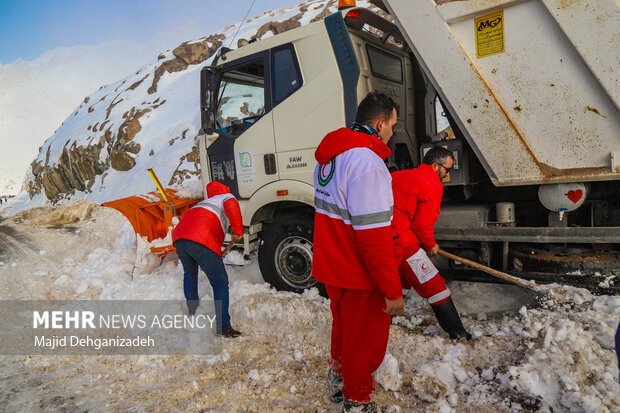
{"x":267,"y":105}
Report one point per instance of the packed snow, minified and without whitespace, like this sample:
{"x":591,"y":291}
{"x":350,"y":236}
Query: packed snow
{"x":530,"y":352}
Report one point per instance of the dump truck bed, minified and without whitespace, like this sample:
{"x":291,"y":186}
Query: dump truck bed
{"x":533,"y":85}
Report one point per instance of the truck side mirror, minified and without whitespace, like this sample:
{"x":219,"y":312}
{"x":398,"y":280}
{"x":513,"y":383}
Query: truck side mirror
{"x":208,"y":77}
{"x":207,"y":101}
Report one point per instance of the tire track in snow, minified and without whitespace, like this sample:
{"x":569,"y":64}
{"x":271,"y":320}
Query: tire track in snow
{"x":15,"y":244}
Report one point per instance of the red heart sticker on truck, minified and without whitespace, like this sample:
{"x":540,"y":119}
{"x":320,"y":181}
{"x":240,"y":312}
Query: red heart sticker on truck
{"x":575,"y":196}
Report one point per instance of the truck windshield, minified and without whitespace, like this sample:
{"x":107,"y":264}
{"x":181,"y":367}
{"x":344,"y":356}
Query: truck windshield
{"x":242,"y":97}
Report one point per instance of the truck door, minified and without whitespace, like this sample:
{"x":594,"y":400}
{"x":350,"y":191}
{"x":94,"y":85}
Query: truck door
{"x":243,"y":157}
{"x":295,"y":142}
{"x":387,"y":69}
{"x":390,"y":72}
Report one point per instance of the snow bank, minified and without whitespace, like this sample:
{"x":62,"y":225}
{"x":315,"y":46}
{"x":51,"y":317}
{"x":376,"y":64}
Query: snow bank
{"x":74,"y":211}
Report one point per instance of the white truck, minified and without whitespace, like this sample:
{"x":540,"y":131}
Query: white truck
{"x":531,"y":92}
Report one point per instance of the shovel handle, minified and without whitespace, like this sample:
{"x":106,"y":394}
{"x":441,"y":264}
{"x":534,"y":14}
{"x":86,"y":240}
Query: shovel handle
{"x":495,"y":273}
{"x":228,"y":247}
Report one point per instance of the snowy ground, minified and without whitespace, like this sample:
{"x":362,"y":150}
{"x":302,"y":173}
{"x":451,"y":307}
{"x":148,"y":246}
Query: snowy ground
{"x":530,"y":354}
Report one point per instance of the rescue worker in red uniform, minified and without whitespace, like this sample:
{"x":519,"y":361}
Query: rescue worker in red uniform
{"x":198,"y":239}
{"x":417,"y":203}
{"x":353,"y":254}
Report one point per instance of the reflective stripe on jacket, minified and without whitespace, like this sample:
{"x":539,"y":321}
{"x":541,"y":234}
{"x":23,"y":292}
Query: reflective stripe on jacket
{"x":208,"y":221}
{"x":215,"y":204}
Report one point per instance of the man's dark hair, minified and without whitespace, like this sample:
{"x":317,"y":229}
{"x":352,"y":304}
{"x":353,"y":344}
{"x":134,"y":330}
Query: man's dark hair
{"x":374,"y":106}
{"x":437,"y":154}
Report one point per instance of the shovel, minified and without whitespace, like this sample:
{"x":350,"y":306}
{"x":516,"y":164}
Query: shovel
{"x":564,"y":293}
{"x":510,"y":278}
{"x":228,"y":247}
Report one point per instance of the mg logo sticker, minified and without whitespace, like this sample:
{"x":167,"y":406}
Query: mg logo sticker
{"x":326,"y":172}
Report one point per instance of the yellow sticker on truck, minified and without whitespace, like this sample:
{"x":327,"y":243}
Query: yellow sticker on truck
{"x":490,"y":34}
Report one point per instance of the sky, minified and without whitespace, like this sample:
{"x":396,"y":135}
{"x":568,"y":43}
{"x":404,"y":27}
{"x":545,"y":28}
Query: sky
{"x":29,"y":28}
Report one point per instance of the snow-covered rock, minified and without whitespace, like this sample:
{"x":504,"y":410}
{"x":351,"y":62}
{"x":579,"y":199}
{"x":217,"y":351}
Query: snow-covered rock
{"x":388,"y":375}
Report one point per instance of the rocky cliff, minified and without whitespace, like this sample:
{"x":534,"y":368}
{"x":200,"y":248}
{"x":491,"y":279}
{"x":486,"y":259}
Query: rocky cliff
{"x":149,"y":119}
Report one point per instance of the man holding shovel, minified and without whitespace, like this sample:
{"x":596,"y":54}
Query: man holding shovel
{"x":198,"y":240}
{"x":417,"y":202}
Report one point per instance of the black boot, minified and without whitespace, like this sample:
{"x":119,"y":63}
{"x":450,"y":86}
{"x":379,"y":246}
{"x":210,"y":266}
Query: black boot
{"x":449,"y":319}
{"x":335,"y":387}
{"x":351,"y":407}
{"x":230,"y":332}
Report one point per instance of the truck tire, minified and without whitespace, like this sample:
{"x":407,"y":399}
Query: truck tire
{"x":285,"y":253}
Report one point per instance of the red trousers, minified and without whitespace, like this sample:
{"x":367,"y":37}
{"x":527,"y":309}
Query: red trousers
{"x":360,"y":331}
{"x":434,"y":289}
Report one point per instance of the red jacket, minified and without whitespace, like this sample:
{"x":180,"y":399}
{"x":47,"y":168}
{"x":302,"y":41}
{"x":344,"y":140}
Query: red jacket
{"x":208,"y":221}
{"x":417,"y":202}
{"x":354,"y":204}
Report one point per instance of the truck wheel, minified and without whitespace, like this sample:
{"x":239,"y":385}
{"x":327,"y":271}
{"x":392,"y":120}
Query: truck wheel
{"x":285,"y":253}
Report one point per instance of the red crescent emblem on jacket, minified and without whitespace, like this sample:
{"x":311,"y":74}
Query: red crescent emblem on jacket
{"x":323,"y":174}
